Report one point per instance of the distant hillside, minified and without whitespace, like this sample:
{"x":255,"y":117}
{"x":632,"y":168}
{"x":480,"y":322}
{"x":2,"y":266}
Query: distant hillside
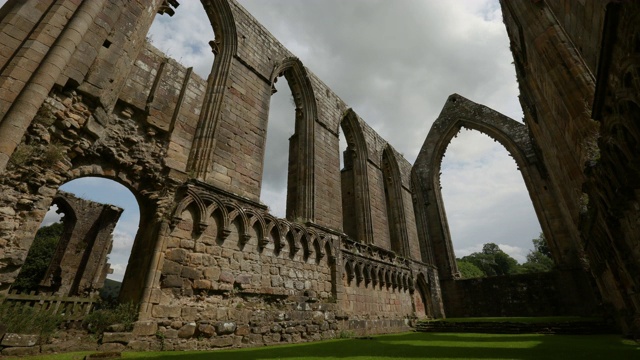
{"x":110,"y":290}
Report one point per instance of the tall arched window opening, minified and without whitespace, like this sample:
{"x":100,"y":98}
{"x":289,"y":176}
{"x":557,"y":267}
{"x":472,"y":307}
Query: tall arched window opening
{"x":280,"y":162}
{"x":191,"y":48}
{"x":486,"y":199}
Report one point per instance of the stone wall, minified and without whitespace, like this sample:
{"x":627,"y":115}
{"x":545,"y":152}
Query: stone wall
{"x":83,"y":94}
{"x":556,"y":293}
{"x":577,"y":73}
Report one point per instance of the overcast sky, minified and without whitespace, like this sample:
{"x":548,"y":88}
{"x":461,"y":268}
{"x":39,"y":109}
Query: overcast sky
{"x":395,"y":62}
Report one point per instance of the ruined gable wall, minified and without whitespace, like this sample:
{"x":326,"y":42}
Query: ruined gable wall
{"x":79,"y":266}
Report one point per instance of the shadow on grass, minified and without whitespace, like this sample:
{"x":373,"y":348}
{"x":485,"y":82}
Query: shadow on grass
{"x":434,"y":346}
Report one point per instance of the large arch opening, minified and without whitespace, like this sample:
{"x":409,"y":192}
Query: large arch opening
{"x":94,"y":222}
{"x":432,"y":219}
{"x":484,"y":193}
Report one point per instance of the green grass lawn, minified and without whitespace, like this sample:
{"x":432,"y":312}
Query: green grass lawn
{"x":422,"y":346}
{"x":525,"y":320}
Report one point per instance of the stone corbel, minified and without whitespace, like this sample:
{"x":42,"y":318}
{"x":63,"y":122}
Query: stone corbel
{"x":263,"y":242}
{"x":215,"y":46}
{"x":244,"y":238}
{"x":349,"y":277}
{"x":201,"y":227}
{"x":225,"y":233}
{"x":174,"y":222}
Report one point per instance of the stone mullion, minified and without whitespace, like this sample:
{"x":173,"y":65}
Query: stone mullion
{"x":225,"y":44}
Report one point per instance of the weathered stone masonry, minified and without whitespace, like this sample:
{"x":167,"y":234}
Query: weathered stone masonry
{"x":365,"y":248}
{"x":79,"y":265}
{"x":85,"y":95}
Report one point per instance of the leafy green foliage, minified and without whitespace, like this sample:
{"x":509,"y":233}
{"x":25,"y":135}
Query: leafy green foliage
{"x":99,"y":320}
{"x":539,"y":259}
{"x":40,"y":255}
{"x":469,"y":270}
{"x":110,"y":291}
{"x":23,"y":319}
{"x":492,"y":261}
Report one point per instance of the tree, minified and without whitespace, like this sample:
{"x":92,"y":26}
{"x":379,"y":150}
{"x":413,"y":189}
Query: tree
{"x":539,"y":259}
{"x":469,"y":270}
{"x":493,"y":261}
{"x":540,"y":245}
{"x":40,"y":255}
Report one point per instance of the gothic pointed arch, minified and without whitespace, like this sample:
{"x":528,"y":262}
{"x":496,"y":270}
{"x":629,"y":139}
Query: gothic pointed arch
{"x":431,"y":218}
{"x":224,"y":46}
{"x":396,"y":218}
{"x":356,"y":201}
{"x":301,"y":186}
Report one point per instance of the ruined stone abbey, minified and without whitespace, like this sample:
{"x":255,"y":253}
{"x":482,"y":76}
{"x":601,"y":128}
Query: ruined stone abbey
{"x":365,"y":248}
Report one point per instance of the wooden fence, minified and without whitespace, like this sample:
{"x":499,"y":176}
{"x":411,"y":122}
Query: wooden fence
{"x":69,"y":308}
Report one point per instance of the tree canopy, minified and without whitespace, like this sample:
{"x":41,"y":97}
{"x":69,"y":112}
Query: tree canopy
{"x":40,"y":255}
{"x":492,"y":261}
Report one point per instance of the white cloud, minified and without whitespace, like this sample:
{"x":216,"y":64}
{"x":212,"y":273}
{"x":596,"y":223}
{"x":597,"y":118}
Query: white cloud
{"x":51,"y":216}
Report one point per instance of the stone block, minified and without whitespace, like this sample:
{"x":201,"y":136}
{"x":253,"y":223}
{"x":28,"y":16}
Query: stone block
{"x":203,"y":284}
{"x":219,"y":342}
{"x":318,"y":317}
{"x":170,"y":333}
{"x":172,"y":281}
{"x":189,"y":314}
{"x":254,"y":338}
{"x":19,"y":340}
{"x":225,"y":328}
{"x":212,"y":273}
{"x":171,"y":268}
{"x":226,"y":277}
{"x":139,"y":345}
{"x":166,"y":311}
{"x":191,"y":273}
{"x":111,"y":347}
{"x":145,"y":328}
{"x":242,"y":330}
{"x":177,"y":255}
{"x":206,"y":330}
{"x":117,"y":337}
{"x":20,"y":351}
{"x":187,"y":330}
{"x":243,"y":279}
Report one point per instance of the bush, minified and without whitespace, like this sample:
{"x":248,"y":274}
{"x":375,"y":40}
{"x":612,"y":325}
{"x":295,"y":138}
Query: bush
{"x":23,"y":319}
{"x":124,"y":314}
{"x":37,"y":262}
